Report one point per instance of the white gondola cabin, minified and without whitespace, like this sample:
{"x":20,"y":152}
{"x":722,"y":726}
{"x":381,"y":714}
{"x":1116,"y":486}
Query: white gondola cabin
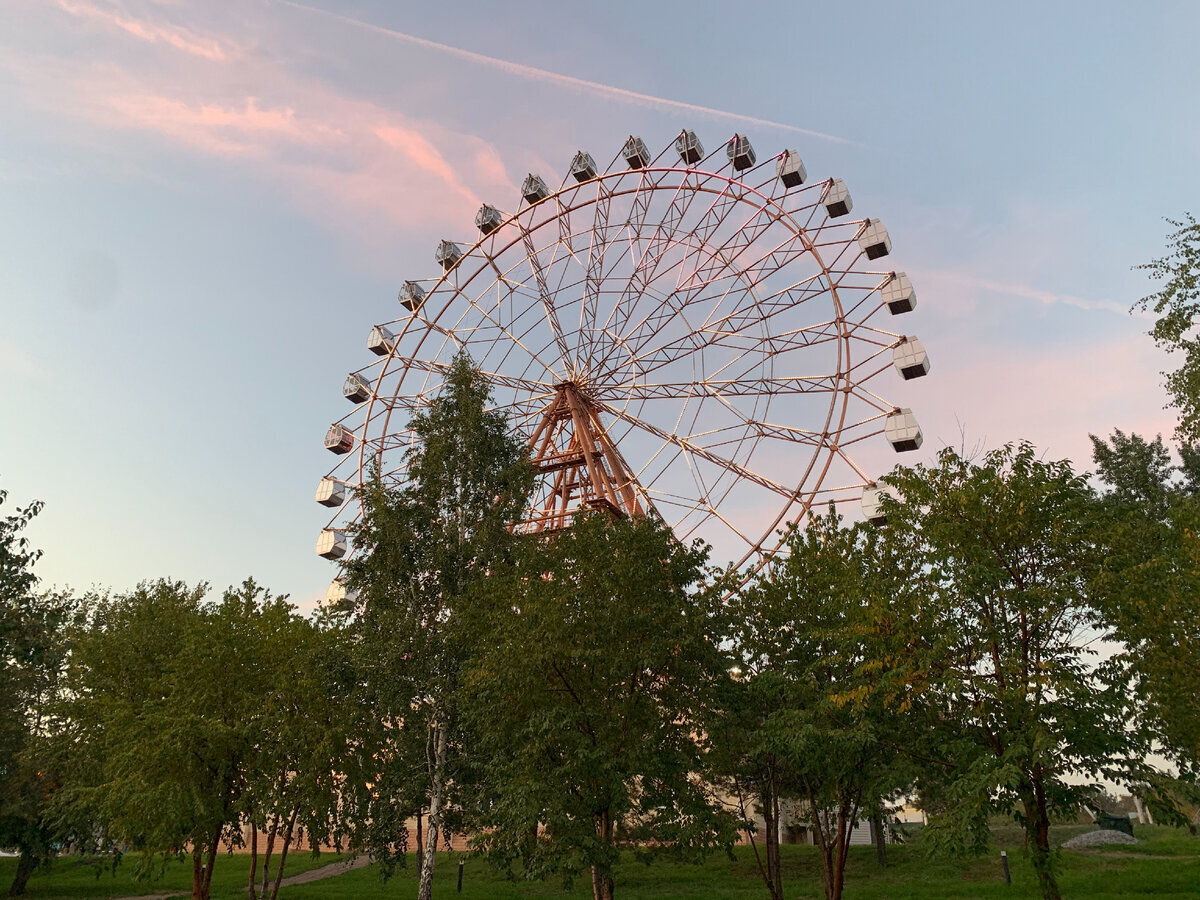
{"x":899,"y":294}
{"x":338,"y":598}
{"x":740,"y":153}
{"x":339,"y":440}
{"x":583,"y":167}
{"x":331,"y":492}
{"x":412,"y":296}
{"x":332,"y":543}
{"x":910,"y":359}
{"x":637,"y":155}
{"x":836,"y":199}
{"x":790,"y":169}
{"x":447,"y":255}
{"x":534,"y":189}
{"x":872,"y":502}
{"x":689,"y":148}
{"x":874,"y":240}
{"x":488,"y":219}
{"x":381,"y":341}
{"x":902,"y":431}
{"x":356,"y":388}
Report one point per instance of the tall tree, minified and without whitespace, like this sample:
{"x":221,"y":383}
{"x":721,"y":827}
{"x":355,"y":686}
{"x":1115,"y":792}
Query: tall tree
{"x":423,"y":545}
{"x":1177,"y":305}
{"x":303,"y":727}
{"x":1152,"y":583}
{"x":821,"y":718}
{"x":32,"y":653}
{"x":586,"y":698}
{"x":1008,"y":556}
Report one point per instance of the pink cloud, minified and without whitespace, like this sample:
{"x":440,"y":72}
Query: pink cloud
{"x":425,"y":155}
{"x":354,"y":165}
{"x":181,"y":39}
{"x":244,"y":128}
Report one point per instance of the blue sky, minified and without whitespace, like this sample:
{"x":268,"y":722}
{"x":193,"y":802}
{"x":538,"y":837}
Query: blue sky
{"x":204,"y":206}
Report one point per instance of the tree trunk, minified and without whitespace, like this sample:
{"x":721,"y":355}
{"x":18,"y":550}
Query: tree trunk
{"x":837,"y":871}
{"x":271,"y":832}
{"x":1037,"y":836}
{"x":436,"y":788}
{"x":198,"y":892}
{"x":212,"y":859}
{"x":253,"y":889}
{"x":602,"y":880}
{"x":202,"y":865}
{"x":770,"y":802}
{"x":287,"y":842}
{"x":420,"y":833}
{"x":879,"y":836}
{"x":25,"y":866}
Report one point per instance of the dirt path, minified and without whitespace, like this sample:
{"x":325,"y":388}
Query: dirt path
{"x":330,"y":871}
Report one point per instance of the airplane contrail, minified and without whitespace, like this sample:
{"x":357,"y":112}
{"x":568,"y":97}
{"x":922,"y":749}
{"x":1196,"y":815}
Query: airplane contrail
{"x":579,"y":84}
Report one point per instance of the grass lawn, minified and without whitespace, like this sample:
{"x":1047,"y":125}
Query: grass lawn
{"x":71,"y":877}
{"x":1104,"y":874}
{"x":909,"y":876}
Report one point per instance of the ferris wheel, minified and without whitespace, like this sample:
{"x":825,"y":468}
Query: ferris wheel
{"x":687,"y":334}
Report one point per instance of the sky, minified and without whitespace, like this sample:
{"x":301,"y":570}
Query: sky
{"x":204,"y":207}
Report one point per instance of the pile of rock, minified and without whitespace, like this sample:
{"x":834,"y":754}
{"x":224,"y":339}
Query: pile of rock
{"x":1100,"y":838}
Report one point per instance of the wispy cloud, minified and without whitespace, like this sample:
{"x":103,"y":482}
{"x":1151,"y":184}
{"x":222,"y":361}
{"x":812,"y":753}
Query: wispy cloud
{"x":180,"y":38}
{"x":241,"y":129}
{"x":961,"y":281}
{"x":533,"y":73}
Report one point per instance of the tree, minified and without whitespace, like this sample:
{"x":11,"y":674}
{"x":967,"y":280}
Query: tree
{"x":1177,"y":305}
{"x":32,"y":654}
{"x":174,"y":719}
{"x":1007,"y":556}
{"x":585,"y":699}
{"x":1152,"y":579}
{"x":423,"y":546}
{"x":816,"y":714}
{"x":303,"y":728}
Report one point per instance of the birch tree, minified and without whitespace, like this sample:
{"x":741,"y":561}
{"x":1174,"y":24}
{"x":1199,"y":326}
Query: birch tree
{"x":422,"y":546}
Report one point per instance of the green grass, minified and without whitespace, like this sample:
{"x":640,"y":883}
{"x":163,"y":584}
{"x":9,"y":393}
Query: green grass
{"x":908,"y":877}
{"x":72,"y":877}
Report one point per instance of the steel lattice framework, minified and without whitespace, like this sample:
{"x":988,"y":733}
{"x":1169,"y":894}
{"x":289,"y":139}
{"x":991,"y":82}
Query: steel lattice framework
{"x":693,"y":337}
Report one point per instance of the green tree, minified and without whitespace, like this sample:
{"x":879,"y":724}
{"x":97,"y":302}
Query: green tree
{"x":423,"y":545}
{"x":818,"y":715}
{"x":1177,"y":305}
{"x":597,"y":652}
{"x":1152,"y":511}
{"x":175,"y":714}
{"x":32,"y":654}
{"x":1008,"y":555}
{"x":304,"y":731}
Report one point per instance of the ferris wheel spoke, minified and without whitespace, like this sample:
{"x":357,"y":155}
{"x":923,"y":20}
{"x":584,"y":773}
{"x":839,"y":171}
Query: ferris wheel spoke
{"x":798,"y":339}
{"x":531,"y":386}
{"x":547,"y":301}
{"x":790,"y":434}
{"x":594,"y":279}
{"x":700,"y":452}
{"x":657,"y":245}
{"x":742,"y":387}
